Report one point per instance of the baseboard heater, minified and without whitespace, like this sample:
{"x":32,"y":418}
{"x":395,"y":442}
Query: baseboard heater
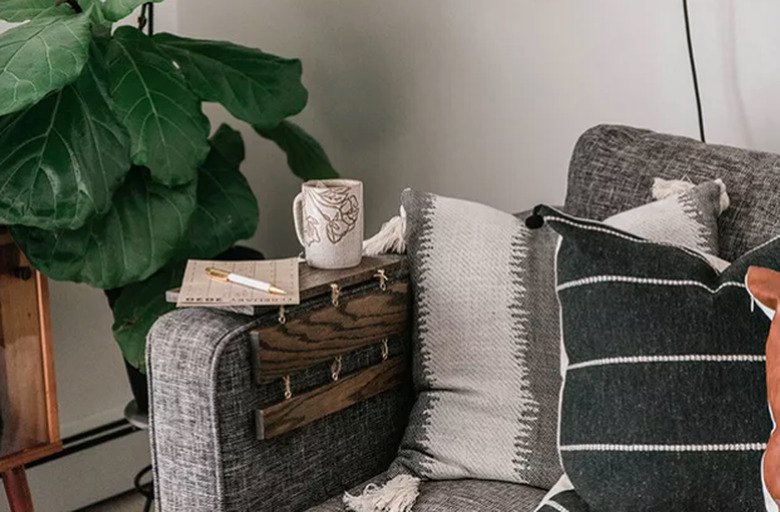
{"x":88,"y":439}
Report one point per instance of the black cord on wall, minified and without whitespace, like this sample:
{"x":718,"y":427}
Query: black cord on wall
{"x":151,"y":18}
{"x":693,"y":71}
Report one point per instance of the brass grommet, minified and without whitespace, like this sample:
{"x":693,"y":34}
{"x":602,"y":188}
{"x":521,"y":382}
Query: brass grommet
{"x":334,"y":294}
{"x":335,"y":369}
{"x":382,"y":279}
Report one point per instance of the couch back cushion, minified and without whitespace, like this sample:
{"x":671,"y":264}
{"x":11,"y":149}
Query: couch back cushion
{"x":612,"y":169}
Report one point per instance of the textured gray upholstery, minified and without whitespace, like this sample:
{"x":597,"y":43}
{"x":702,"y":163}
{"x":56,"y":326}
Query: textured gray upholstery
{"x":204,"y":450}
{"x":461,"y":496}
{"x":613,"y":166}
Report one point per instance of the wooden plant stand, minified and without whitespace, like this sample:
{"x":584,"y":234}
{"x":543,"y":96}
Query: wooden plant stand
{"x":28,"y":400}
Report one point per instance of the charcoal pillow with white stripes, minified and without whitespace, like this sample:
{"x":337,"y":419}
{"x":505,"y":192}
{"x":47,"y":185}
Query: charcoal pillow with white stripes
{"x":663,"y":405}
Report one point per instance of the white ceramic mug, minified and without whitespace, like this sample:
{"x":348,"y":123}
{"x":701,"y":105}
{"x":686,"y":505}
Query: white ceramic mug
{"x":328,"y":218}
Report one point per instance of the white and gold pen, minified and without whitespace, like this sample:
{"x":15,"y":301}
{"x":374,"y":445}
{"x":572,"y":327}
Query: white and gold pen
{"x":225,"y":276}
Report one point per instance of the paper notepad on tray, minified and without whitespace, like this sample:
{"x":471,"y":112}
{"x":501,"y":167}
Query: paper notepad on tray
{"x":198,"y":289}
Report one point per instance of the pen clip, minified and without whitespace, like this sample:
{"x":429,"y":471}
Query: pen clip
{"x":217,"y":274}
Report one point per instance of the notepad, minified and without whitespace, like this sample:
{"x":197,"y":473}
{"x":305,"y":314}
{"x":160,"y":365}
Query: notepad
{"x":198,"y":289}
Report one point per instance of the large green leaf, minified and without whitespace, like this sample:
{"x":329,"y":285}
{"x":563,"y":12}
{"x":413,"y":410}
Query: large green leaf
{"x":16,"y":11}
{"x":255,"y":87}
{"x":115,"y":10}
{"x":137,"y":237}
{"x":139,"y":305}
{"x":305,"y":156}
{"x":22,"y":10}
{"x":62,"y":159}
{"x":226,"y":213}
{"x":228,"y":144}
{"x":41,"y":56}
{"x":168,"y":130}
{"x":227,"y":209}
{"x":101,"y":27}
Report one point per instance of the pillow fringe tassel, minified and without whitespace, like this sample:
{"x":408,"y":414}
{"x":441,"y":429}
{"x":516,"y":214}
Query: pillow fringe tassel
{"x":397,"y":495}
{"x":390,"y":239}
{"x":664,"y":188}
{"x":725,"y":202}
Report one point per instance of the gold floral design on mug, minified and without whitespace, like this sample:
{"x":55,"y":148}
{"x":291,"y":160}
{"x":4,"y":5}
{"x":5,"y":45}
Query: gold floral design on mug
{"x":338,"y":208}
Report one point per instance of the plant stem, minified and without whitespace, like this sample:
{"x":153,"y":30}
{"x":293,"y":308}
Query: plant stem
{"x":142,"y":17}
{"x":147,"y":17}
{"x":73,"y":4}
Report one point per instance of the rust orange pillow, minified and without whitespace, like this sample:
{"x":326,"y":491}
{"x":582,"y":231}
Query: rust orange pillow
{"x":764,"y":286}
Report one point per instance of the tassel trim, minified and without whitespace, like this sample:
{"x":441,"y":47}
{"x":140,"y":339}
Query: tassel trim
{"x":665,"y":188}
{"x":397,"y":495}
{"x":390,"y":239}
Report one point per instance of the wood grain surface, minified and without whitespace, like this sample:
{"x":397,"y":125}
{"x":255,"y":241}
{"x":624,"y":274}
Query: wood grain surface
{"x":310,"y":406}
{"x":47,"y":354}
{"x":17,"y":490}
{"x":321,"y":335}
{"x":27,"y":390}
{"x":314,"y":282}
{"x":29,"y":455}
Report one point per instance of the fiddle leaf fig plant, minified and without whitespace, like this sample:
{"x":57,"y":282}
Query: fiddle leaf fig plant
{"x":109,"y":172}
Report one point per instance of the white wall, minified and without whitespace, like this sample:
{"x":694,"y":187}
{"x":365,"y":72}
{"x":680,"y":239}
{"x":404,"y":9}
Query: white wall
{"x":737,"y":43}
{"x":485,"y":100}
{"x":476,"y":99}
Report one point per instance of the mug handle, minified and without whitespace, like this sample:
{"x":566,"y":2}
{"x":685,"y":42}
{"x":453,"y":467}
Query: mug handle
{"x":298,"y":217}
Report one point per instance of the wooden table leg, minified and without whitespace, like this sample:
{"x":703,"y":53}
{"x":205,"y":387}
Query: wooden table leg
{"x":17,"y":490}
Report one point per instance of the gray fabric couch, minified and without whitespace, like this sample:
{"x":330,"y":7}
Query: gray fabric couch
{"x":205,"y":454}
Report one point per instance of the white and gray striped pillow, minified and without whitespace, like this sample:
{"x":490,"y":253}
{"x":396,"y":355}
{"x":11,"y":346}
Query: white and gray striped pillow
{"x":663,"y":405}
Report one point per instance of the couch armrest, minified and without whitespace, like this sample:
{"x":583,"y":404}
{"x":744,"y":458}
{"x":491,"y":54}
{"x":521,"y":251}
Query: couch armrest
{"x":205,"y":451}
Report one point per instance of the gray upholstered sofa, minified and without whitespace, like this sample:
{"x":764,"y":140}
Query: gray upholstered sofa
{"x":205,"y":452}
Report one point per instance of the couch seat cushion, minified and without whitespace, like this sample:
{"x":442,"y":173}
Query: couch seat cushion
{"x":460,"y":496}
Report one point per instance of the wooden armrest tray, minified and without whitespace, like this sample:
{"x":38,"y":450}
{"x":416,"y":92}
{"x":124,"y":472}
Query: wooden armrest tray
{"x":342,"y":345}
